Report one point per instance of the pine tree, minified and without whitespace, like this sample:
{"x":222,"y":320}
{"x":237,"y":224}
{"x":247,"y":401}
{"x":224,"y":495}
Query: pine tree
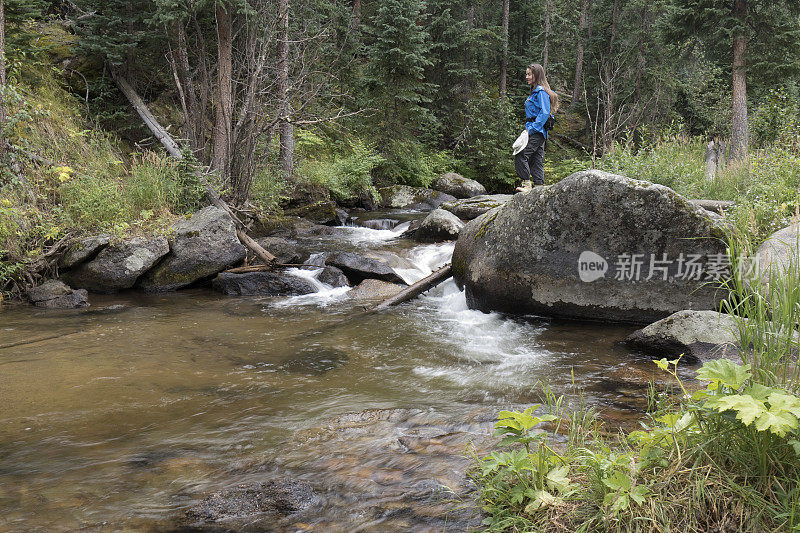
{"x":396,"y":64}
{"x":756,"y":37}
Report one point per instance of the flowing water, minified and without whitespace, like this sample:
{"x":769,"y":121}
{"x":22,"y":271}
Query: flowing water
{"x":124,"y":415}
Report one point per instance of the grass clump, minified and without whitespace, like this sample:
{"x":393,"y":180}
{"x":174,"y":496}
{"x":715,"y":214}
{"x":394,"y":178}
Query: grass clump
{"x":725,"y":457}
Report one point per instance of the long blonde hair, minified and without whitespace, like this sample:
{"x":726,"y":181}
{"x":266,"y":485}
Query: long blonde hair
{"x":540,"y":79}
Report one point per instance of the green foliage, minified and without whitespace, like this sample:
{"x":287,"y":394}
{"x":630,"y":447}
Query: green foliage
{"x":410,"y":163}
{"x":484,"y":145}
{"x":156,"y":183}
{"x":347,"y":175}
{"x":776,"y":120}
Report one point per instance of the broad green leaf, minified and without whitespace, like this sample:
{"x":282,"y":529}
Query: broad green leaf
{"x":726,"y":372}
{"x":544,"y":418}
{"x":663,"y":364}
{"x":669,"y":419}
{"x":702,"y":394}
{"x":620,"y":503}
{"x":617,"y":481}
{"x":557,"y":478}
{"x":777,"y":423}
{"x":747,"y":408}
{"x":638,"y":494}
{"x":518,"y":493}
{"x":543,"y":499}
{"x":758,"y":391}
{"x":796,"y":446}
{"x":686,"y":421}
{"x":779,"y":401}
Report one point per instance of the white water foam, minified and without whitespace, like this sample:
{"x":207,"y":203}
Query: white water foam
{"x":359,"y":234}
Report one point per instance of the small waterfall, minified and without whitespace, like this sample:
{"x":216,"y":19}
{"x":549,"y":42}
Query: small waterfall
{"x":380,"y":223}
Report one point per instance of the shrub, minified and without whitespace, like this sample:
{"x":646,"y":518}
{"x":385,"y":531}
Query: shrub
{"x":409,"y":163}
{"x":345,"y":175}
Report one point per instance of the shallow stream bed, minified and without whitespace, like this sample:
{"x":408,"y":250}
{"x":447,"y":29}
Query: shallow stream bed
{"x":128,"y":413}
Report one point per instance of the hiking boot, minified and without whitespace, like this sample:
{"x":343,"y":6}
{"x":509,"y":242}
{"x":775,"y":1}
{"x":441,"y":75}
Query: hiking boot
{"x":525,"y":186}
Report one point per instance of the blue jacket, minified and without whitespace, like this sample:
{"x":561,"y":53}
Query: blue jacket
{"x":537,"y":105}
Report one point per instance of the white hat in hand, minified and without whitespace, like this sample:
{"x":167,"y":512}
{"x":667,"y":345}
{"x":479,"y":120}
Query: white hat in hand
{"x":521,"y":142}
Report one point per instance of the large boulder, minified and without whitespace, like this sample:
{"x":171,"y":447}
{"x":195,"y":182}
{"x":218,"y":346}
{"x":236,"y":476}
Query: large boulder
{"x":357,"y":268}
{"x":780,"y":252}
{"x":458,"y":186}
{"x":118,"y":266}
{"x":54,"y":294}
{"x":261,"y":284}
{"x":83,"y":250}
{"x":439,"y":225}
{"x":417,"y":198}
{"x":472,"y":208}
{"x":593,"y":246}
{"x":699,"y":335}
{"x":200,"y":247}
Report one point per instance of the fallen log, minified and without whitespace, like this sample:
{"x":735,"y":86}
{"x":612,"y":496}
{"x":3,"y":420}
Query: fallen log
{"x":418,"y":288}
{"x":262,"y":268}
{"x":174,"y":150}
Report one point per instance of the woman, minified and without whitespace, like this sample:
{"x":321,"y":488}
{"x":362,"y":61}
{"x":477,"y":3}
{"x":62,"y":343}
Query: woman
{"x":540,"y":104}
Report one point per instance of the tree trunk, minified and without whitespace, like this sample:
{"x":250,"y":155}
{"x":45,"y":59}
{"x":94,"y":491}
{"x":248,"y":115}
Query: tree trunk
{"x":608,"y":84}
{"x":643,"y":30}
{"x":183,"y":73}
{"x":204,"y":88}
{"x":739,"y":130}
{"x":711,"y":160}
{"x":152,"y":124}
{"x":2,"y":83}
{"x":504,"y":58}
{"x":286,"y":129}
{"x":582,"y":24}
{"x":223,"y":121}
{"x":355,"y":19}
{"x":546,"y":49}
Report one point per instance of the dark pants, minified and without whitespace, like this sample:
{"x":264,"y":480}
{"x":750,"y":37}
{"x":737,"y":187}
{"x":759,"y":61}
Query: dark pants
{"x":529,"y":163}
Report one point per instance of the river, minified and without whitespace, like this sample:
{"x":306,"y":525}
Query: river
{"x":144,"y":404}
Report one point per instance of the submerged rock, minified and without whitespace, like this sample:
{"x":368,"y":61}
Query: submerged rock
{"x":83,"y":250}
{"x":472,"y":208}
{"x":201,"y":247}
{"x":118,"y":266}
{"x":261,"y":284}
{"x":358,"y":268}
{"x":700,"y":335}
{"x":593,"y":246}
{"x":458,"y":186}
{"x":54,"y":294}
{"x":439,"y":225}
{"x":374,"y":289}
{"x":419,"y":198}
{"x":274,"y":498}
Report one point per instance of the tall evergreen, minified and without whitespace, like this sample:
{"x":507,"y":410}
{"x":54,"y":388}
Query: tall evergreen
{"x":397,"y":59}
{"x":752,"y":38}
